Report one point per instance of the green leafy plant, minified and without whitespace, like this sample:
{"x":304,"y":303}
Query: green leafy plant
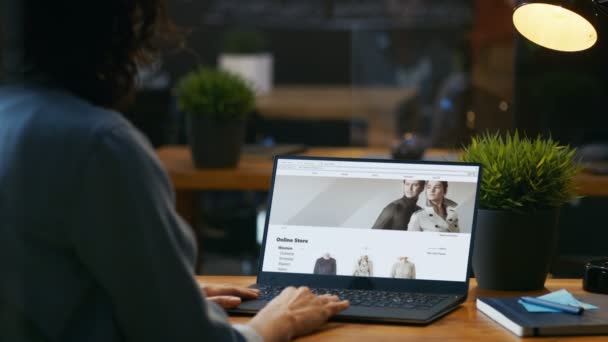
{"x":241,"y":41}
{"x":523,"y":174}
{"x":216,"y":94}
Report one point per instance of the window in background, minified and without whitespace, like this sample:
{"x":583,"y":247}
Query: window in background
{"x":353,"y":72}
{"x":366,"y":72}
{"x":458,"y":56}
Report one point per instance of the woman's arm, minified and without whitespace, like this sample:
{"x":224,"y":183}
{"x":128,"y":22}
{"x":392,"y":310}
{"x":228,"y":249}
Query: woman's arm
{"x":127,"y":234}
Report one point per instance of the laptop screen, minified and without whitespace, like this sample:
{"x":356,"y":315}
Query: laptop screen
{"x":365,"y":218}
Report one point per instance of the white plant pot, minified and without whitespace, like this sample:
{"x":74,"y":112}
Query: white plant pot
{"x":255,"y":68}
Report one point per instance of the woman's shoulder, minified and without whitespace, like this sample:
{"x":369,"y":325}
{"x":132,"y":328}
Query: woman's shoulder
{"x":89,"y":123}
{"x":51,"y":109}
{"x":100,"y":131}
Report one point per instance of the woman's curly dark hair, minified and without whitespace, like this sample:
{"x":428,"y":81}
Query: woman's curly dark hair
{"x":90,"y":47}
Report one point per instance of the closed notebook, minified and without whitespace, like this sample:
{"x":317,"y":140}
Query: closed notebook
{"x":514,"y":317}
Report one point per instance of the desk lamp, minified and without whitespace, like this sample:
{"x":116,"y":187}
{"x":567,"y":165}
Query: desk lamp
{"x":568,"y":26}
{"x":560,"y":26}
{"x":565,"y":25}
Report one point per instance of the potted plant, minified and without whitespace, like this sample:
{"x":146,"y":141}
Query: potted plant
{"x":245,"y":52}
{"x":216,"y":104}
{"x":524,"y":183}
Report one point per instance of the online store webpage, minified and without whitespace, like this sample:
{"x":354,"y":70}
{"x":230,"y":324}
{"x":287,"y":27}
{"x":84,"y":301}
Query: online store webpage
{"x":371,"y":219}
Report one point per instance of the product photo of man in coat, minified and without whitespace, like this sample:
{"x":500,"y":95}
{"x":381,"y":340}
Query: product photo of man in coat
{"x":396,"y":215}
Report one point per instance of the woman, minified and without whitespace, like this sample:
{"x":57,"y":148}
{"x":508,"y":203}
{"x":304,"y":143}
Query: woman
{"x":91,"y":248}
{"x":439,"y":215}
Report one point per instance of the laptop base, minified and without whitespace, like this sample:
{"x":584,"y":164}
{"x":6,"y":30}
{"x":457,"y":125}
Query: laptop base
{"x":372,"y":314}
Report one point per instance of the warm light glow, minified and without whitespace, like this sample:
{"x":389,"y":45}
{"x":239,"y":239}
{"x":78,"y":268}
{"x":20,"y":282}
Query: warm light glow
{"x":554,"y":27}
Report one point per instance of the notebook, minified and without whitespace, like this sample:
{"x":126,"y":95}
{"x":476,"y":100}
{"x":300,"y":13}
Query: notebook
{"x":514,"y":317}
{"x":365,"y":229}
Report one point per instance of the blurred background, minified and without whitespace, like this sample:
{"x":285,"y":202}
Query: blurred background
{"x":368,"y":73}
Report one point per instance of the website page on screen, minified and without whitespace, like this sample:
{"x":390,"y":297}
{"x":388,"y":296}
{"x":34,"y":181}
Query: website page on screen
{"x":371,"y":219}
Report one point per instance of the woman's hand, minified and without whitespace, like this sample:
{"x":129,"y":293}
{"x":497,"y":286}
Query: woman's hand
{"x":228,"y":296}
{"x":295,"y":312}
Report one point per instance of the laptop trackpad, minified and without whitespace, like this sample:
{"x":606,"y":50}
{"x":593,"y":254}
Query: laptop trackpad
{"x":387,"y":315}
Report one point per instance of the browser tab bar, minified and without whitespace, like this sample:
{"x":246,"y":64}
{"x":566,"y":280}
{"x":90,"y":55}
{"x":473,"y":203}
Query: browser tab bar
{"x":385,"y":170}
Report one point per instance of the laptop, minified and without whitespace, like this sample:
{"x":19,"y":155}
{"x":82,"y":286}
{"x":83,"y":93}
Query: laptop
{"x":367,"y":231}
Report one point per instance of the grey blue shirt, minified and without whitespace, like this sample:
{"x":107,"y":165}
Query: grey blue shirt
{"x":91,"y":248}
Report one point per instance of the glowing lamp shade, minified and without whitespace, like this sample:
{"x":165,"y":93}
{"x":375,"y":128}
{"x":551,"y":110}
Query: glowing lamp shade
{"x":554,"y":27}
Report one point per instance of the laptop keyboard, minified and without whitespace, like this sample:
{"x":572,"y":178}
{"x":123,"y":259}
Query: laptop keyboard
{"x":382,"y":299}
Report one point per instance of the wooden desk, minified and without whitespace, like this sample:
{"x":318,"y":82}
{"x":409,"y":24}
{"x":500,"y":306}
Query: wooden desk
{"x":464,"y":324}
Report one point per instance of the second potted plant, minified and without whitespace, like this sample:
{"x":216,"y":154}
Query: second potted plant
{"x":216,"y":104}
{"x":524,"y":184}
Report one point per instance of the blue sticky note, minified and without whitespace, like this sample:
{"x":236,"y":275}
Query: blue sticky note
{"x":561,"y":297}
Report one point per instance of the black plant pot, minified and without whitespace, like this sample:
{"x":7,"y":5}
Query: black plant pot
{"x":215,"y":144}
{"x":512,"y":251}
